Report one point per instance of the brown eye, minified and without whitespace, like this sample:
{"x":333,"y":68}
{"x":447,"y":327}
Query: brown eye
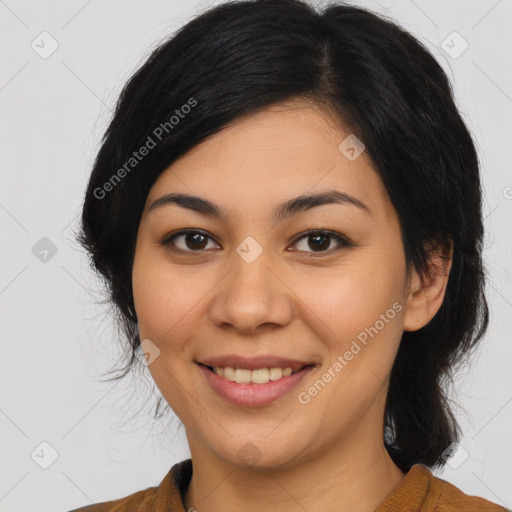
{"x":321,"y":241}
{"x":188,"y":241}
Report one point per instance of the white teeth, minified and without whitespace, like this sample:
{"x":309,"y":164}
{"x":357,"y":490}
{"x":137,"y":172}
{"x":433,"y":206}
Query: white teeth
{"x":259,"y":376}
{"x":242,"y":375}
{"x":275,"y":373}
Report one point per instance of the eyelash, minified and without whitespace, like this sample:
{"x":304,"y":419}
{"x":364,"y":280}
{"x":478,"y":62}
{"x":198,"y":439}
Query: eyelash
{"x":343,"y":241}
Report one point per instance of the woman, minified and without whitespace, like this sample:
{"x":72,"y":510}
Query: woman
{"x":286,"y":208}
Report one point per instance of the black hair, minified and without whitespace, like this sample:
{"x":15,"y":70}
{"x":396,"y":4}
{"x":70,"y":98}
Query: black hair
{"x":375,"y":78}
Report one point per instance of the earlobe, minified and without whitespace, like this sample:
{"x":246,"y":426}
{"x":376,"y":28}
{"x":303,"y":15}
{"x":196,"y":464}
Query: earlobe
{"x":425,"y":293}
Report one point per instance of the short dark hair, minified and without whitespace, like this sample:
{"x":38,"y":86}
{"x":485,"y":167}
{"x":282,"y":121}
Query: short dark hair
{"x":375,"y":78}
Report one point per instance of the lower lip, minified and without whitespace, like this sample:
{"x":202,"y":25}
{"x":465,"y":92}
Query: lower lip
{"x":249,"y":394}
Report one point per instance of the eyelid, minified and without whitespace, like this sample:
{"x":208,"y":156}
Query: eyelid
{"x":343,"y":241}
{"x":166,"y":240}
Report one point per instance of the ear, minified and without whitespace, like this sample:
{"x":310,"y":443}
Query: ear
{"x":425,"y":293}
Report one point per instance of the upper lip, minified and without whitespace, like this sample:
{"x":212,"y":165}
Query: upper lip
{"x":254,"y":363}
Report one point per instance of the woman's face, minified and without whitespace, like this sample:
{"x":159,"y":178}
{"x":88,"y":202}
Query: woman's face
{"x":251,"y":283}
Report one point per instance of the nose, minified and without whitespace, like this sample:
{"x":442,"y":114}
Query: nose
{"x":252,"y":295}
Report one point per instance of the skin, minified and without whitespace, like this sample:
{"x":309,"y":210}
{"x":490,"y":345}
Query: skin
{"x":293,"y":300}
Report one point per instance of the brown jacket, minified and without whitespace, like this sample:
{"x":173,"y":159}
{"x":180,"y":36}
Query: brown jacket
{"x":419,"y":491}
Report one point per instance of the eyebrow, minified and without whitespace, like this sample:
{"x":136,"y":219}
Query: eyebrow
{"x":281,"y":211}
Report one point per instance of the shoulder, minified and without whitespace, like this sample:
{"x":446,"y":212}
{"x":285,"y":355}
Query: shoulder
{"x":421,"y":491}
{"x":166,"y":496}
{"x":130,"y":503}
{"x":449,"y":498}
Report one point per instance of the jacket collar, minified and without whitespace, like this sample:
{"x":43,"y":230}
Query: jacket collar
{"x":169,"y":494}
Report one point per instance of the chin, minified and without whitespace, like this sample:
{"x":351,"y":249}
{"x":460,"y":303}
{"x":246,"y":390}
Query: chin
{"x":263,"y":454}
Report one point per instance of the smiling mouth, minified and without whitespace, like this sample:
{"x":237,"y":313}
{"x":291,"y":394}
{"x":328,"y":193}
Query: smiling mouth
{"x":258,"y":376}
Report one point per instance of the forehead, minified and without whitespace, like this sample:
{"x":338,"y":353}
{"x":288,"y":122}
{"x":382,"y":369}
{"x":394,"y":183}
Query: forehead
{"x":278,"y":153}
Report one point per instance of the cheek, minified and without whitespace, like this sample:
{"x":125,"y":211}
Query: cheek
{"x":162,"y":295}
{"x":352,"y":298}
{"x":361,"y":303}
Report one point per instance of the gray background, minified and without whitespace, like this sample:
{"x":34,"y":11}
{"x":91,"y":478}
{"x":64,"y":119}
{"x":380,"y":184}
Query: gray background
{"x":57,"y":339}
